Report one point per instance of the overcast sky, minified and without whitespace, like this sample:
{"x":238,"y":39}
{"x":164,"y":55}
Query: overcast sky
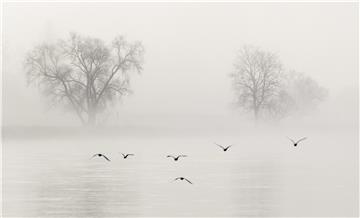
{"x":190,"y":50}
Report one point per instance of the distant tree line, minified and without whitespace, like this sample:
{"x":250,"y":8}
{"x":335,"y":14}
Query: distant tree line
{"x":262,"y":86}
{"x":87,"y":76}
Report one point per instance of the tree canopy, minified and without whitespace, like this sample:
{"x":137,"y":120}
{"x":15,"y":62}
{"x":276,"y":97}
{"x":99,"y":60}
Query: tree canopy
{"x":264,"y":87}
{"x":84,"y":74}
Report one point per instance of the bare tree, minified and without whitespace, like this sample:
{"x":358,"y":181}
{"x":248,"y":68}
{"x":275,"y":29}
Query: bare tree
{"x":265,"y":88}
{"x":84,"y":73}
{"x":257,"y":79}
{"x":305,"y":92}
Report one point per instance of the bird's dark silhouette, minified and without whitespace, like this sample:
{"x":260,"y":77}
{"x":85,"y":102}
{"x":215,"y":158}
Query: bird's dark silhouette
{"x":295,"y":143}
{"x":222,"y":147}
{"x":182,"y":178}
{"x":176,"y":158}
{"x":127,"y":155}
{"x":100,"y":155}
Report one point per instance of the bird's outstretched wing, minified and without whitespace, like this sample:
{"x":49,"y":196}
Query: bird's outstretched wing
{"x":170,"y":156}
{"x":219,"y":145}
{"x":131,"y":154}
{"x":182,"y":155}
{"x":291,"y":140}
{"x":188,"y":181}
{"x":93,"y":156}
{"x":302,"y":139}
{"x":106,"y":158}
{"x":123,"y":154}
{"x":176,"y":179}
{"x":228,"y":147}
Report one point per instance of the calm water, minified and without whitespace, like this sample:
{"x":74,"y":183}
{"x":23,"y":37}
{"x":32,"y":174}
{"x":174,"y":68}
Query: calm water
{"x":258,"y":176}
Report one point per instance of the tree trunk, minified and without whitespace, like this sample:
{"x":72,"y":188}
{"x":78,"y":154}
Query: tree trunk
{"x":91,"y":118}
{"x":256,"y":113}
{"x":255,"y":106}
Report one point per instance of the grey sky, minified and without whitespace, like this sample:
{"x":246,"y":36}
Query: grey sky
{"x":190,"y":49}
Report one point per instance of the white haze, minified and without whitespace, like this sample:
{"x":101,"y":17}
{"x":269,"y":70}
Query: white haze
{"x":190,"y":50}
{"x":182,"y":104}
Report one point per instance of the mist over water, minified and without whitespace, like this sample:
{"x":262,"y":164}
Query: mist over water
{"x":261,"y":175}
{"x":183,"y":104}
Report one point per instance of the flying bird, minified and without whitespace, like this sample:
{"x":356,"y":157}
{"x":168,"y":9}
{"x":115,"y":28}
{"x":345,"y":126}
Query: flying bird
{"x":176,"y":158}
{"x":182,"y":178}
{"x":224,"y":148}
{"x":100,"y":155}
{"x":127,"y":155}
{"x":296,"y":143}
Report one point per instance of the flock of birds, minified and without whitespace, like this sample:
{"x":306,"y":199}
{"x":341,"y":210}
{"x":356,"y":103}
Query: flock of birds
{"x":176,"y":158}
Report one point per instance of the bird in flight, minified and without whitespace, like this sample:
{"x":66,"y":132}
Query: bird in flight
{"x":176,"y":158}
{"x":127,"y":155}
{"x":182,"y":178}
{"x":296,"y":143}
{"x":222,"y":147}
{"x":100,"y":155}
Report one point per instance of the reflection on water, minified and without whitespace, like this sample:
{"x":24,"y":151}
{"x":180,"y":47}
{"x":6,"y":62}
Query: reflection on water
{"x":49,"y":179}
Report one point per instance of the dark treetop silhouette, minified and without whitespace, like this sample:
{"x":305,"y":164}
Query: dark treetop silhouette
{"x":84,"y":73}
{"x":100,"y":155}
{"x":176,"y":158}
